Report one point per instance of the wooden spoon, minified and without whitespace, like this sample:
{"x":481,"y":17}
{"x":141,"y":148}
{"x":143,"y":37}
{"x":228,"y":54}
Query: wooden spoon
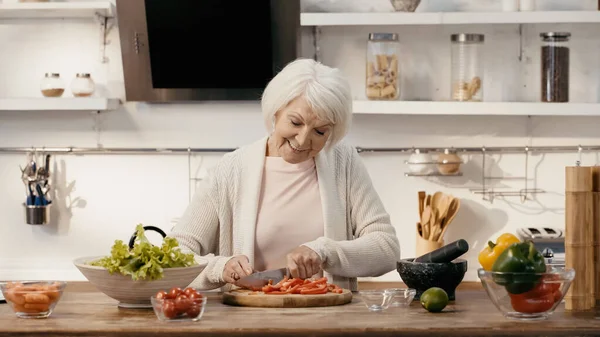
{"x":452,"y":211}
{"x":433,"y":223}
{"x":422,"y":196}
{"x":436,"y":198}
{"x":425,"y":219}
{"x":419,"y":229}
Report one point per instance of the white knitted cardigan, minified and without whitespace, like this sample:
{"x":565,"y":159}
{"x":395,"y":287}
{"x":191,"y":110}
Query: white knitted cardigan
{"x":359,"y":240}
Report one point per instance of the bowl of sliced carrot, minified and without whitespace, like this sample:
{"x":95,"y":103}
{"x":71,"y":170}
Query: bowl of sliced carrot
{"x":33,"y":299}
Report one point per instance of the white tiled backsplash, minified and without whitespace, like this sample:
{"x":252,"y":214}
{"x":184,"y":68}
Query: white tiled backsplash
{"x":101,"y":198}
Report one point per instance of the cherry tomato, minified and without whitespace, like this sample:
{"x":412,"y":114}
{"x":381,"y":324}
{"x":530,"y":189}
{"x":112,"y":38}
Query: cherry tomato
{"x":182,"y":303}
{"x":557,"y":296}
{"x":169,"y":309}
{"x":196,"y":297}
{"x":193,"y":311}
{"x":161,"y":295}
{"x":188,"y":291}
{"x":174,"y":292}
{"x":534,"y":304}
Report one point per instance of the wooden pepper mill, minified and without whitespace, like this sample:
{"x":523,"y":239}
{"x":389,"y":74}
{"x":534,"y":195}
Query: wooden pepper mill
{"x":596,"y":232}
{"x":581,"y":214}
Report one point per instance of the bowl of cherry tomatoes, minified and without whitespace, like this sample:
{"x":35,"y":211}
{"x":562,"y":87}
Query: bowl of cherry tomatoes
{"x":179,"y":304}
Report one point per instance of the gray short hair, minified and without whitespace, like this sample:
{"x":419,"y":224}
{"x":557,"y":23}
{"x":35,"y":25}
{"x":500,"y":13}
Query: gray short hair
{"x":325,"y":89}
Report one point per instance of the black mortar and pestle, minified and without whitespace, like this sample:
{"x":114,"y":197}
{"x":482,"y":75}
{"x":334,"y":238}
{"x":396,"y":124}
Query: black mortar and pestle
{"x":440,"y":268}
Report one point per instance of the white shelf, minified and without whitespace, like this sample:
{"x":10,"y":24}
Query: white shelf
{"x":476,"y":108}
{"x":59,"y":104}
{"x":37,"y":10}
{"x":447,"y":18}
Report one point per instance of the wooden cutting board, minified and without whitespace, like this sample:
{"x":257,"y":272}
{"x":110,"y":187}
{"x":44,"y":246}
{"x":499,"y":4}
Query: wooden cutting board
{"x":247,"y":298}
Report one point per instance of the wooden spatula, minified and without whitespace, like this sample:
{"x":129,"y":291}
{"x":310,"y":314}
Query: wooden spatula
{"x":425,"y":219}
{"x":452,"y":211}
{"x":422,"y":196}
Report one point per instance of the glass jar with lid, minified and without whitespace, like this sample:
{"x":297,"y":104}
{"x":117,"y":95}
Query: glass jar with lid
{"x":555,"y":67}
{"x":82,"y":85}
{"x":382,"y":82}
{"x":52,"y":85}
{"x":467,"y":67}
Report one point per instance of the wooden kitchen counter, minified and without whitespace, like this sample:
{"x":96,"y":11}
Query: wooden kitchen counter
{"x":91,"y":313}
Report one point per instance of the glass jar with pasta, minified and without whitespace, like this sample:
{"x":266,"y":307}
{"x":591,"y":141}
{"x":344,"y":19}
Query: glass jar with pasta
{"x":467,"y":67}
{"x":382,"y":82}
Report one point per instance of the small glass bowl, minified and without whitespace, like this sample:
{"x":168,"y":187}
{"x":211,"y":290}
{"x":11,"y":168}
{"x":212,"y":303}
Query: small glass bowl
{"x":174,"y":310}
{"x":533,"y":297}
{"x":377,"y":300}
{"x":33,"y":299}
{"x":403,"y":296}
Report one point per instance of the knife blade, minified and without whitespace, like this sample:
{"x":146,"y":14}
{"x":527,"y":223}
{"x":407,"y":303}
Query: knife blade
{"x":260,"y":279}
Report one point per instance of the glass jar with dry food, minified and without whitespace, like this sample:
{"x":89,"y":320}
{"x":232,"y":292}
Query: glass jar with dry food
{"x":52,"y":85}
{"x":382,"y":82}
{"x":467,"y":67}
{"x":82,"y":85}
{"x":555,"y":67}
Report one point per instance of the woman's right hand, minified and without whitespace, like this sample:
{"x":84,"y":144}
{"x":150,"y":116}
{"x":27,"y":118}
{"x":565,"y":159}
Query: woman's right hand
{"x":236,"y":268}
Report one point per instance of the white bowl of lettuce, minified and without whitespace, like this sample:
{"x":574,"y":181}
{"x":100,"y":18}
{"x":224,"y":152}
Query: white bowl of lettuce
{"x":132,"y":275}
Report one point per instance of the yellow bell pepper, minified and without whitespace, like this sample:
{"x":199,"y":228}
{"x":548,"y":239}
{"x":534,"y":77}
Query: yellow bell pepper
{"x":490,"y":253}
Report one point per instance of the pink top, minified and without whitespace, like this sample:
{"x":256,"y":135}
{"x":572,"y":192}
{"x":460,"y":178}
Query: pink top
{"x":290,"y":212}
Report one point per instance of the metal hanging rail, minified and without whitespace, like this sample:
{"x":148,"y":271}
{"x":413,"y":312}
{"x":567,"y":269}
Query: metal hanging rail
{"x":184,"y":150}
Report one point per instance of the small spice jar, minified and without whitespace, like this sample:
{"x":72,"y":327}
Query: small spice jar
{"x":52,"y":85}
{"x":83,"y":85}
{"x":449,"y":162}
{"x":467,"y":67}
{"x":555,"y":67}
{"x":421,"y":162}
{"x":382,"y":67}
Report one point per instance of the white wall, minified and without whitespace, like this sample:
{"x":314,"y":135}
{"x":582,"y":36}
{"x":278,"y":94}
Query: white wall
{"x":100,"y":198}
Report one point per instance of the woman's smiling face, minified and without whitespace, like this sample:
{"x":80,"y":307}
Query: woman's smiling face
{"x":298,"y":133}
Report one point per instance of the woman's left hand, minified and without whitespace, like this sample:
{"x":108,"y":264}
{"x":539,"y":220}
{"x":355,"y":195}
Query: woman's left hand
{"x":303,"y":262}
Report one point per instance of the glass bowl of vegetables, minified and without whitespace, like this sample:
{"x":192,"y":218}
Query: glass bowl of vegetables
{"x":520,"y":284}
{"x":179,"y":305}
{"x":525,"y":295}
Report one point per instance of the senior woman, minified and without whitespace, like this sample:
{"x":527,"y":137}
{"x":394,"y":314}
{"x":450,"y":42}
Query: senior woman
{"x":299,"y":198}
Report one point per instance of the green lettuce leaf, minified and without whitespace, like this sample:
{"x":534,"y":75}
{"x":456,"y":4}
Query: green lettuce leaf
{"x":145,"y":261}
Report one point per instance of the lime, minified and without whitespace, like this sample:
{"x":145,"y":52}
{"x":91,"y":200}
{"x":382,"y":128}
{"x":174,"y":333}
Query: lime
{"x":434,"y":299}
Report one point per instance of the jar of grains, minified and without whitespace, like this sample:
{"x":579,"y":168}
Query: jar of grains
{"x":52,"y":85}
{"x":555,"y":67}
{"x":382,"y":67}
{"x":467,"y":67}
{"x":82,"y":85}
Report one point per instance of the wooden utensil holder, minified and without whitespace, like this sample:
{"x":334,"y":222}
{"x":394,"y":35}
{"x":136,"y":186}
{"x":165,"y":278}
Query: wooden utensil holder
{"x":426,"y":246}
{"x":581,"y":211}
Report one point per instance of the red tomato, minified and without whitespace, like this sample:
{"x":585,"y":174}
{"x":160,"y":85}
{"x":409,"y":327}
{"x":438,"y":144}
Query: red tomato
{"x":557,"y":296}
{"x":193,"y":311}
{"x":161,"y":295}
{"x":189,"y":291}
{"x":529,"y":305}
{"x":174,"y":292}
{"x":196,"y":297}
{"x":182,"y":303}
{"x":169,"y":309}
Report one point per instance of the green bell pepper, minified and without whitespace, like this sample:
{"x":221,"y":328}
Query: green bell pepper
{"x":521,"y":262}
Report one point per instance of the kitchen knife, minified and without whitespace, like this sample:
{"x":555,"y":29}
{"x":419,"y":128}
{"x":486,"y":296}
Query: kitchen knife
{"x":260,"y":279}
